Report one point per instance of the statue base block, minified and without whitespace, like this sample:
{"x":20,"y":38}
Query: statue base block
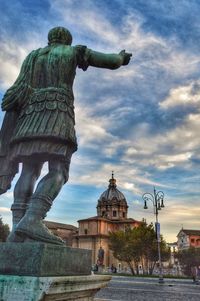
{"x":41,"y":259}
{"x":26,"y":288}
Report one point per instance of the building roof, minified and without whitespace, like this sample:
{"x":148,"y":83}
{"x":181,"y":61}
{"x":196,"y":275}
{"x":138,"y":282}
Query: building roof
{"x":55,"y":225}
{"x":93,"y":218}
{"x":127,"y":220}
{"x":190,"y":232}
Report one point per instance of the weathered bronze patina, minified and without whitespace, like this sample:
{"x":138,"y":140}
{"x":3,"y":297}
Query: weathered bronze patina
{"x":39,"y":126}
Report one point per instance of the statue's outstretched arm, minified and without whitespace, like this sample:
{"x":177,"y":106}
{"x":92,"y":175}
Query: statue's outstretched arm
{"x":109,"y":61}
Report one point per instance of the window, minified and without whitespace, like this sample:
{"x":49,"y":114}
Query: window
{"x":198,"y":242}
{"x":114,"y":213}
{"x":86,"y":231}
{"x":123,"y":214}
{"x":192,"y":240}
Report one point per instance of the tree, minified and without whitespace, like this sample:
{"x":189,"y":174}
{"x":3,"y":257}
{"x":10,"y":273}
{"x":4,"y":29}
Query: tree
{"x":138,"y":245}
{"x":149,"y":245}
{"x":4,"y":230}
{"x":188,"y":258}
{"x":124,"y":247}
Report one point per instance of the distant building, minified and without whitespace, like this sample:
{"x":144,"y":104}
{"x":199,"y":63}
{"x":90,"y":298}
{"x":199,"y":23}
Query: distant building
{"x":187,"y":238}
{"x":173,"y":249}
{"x":64,"y":231}
{"x":112,"y":211}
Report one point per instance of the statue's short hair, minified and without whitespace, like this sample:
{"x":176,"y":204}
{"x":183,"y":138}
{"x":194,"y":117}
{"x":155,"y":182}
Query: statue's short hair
{"x":59,"y":35}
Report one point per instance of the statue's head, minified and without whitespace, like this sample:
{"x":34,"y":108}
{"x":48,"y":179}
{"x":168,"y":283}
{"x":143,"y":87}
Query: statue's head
{"x":59,"y":35}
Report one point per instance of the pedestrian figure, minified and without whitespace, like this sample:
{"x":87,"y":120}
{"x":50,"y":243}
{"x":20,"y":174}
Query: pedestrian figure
{"x":113,"y":269}
{"x":194,"y":273}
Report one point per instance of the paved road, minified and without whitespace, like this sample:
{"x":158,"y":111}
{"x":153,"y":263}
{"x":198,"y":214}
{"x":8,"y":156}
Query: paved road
{"x":148,"y":289}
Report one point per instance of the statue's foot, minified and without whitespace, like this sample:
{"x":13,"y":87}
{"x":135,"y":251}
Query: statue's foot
{"x":14,"y":237}
{"x":36,"y":230}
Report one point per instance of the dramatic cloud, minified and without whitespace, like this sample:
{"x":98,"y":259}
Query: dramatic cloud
{"x":141,"y":120}
{"x":188,"y":95}
{"x":4,"y":209}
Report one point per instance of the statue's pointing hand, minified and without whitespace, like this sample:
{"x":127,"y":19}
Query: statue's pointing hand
{"x":126,"y":57}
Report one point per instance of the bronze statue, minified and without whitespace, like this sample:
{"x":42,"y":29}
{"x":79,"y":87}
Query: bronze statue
{"x":39,"y":126}
{"x":100,"y":259}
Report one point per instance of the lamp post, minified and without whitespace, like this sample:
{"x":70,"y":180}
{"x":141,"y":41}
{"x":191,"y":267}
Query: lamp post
{"x":157,"y":198}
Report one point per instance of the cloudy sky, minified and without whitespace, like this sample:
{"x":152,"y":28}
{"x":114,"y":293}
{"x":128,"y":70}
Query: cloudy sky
{"x":142,"y":120}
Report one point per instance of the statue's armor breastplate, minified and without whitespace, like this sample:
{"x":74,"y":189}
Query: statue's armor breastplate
{"x":55,"y":66}
{"x":49,"y":111}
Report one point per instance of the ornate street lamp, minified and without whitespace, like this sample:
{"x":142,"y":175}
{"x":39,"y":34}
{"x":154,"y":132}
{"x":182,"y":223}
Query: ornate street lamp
{"x":157,"y":198}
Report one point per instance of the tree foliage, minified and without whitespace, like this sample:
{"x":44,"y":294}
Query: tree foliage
{"x":123,"y":244}
{"x":138,"y":246}
{"x":4,"y":230}
{"x":188,"y":258}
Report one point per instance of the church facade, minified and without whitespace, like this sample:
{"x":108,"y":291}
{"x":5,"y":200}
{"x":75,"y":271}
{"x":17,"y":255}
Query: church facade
{"x":112,"y":216}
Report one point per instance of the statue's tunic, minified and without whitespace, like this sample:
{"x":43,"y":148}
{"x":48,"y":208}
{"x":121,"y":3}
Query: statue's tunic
{"x":45,"y":125}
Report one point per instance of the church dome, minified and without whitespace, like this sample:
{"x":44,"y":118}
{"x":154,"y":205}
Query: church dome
{"x":112,"y":202}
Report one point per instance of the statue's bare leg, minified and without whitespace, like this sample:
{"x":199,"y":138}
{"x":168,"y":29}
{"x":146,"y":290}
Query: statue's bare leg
{"x":31,"y":226}
{"x":52,"y":183}
{"x":22,"y":192}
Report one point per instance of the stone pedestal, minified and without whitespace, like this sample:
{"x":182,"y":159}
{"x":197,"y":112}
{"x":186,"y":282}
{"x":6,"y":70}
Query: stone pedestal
{"x":27,"y":288}
{"x":41,"y":259}
{"x":45,"y":272}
